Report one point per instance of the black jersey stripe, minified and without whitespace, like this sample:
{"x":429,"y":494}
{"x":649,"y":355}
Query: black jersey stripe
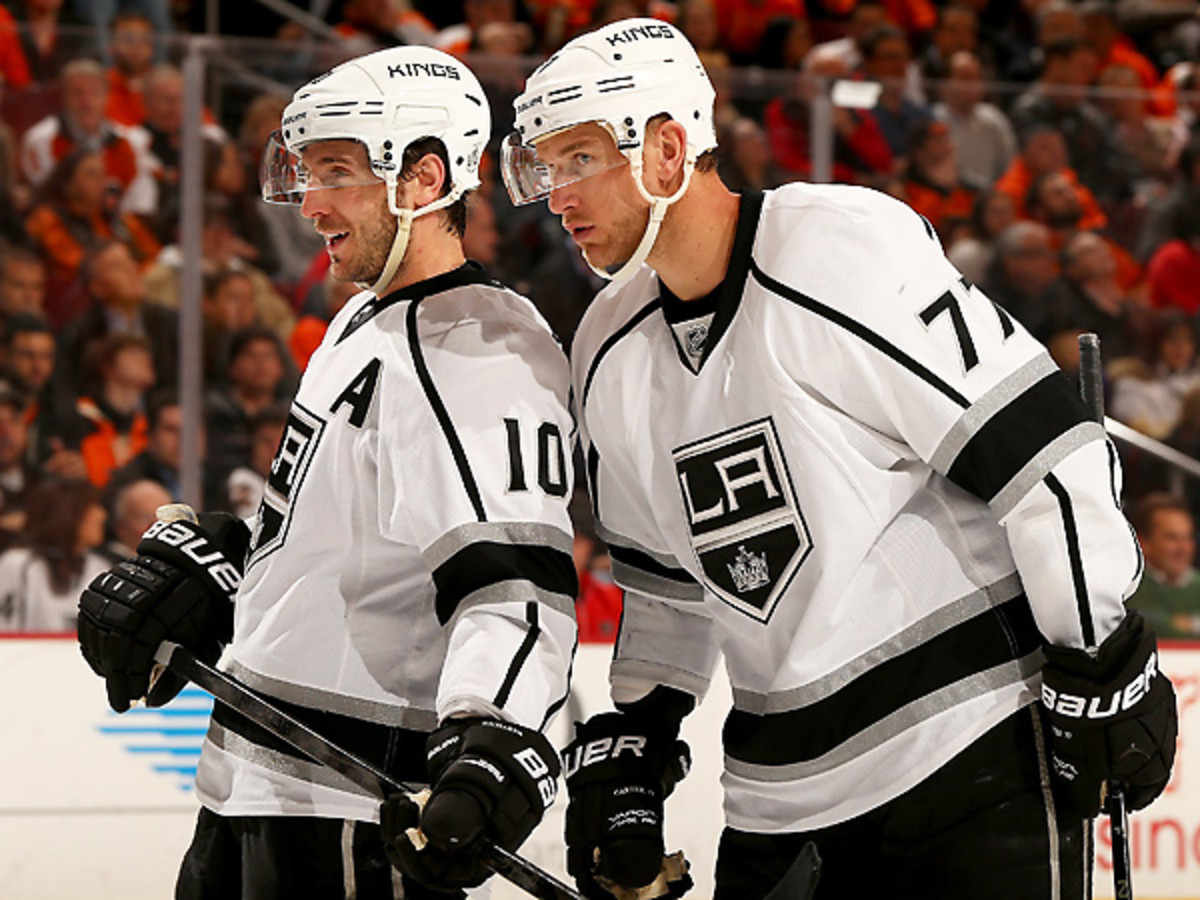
{"x":636,"y":559}
{"x":1075,"y":557}
{"x":1113,"y":464}
{"x":611,"y":342}
{"x":484,"y":563}
{"x":860,"y":331}
{"x":1015,"y":434}
{"x":398,"y":751}
{"x":443,"y":417}
{"x":999,"y":635}
{"x":527,"y":645}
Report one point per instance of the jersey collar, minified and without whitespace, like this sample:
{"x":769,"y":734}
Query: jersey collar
{"x":723,"y":300}
{"x":468,"y":273}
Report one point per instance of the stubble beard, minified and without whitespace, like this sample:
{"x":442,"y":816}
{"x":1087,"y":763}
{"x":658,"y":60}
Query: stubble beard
{"x":374,"y":245}
{"x":626,"y":235}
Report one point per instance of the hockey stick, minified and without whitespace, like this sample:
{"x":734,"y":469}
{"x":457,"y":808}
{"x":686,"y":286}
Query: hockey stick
{"x":799,"y":882}
{"x":1091,"y":389}
{"x":524,"y":874}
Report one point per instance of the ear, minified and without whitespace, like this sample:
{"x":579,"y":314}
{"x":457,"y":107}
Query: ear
{"x":663,"y":156}
{"x":426,"y":180}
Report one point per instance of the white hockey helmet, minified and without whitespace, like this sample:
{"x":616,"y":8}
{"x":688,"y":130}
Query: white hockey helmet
{"x":385,"y":100}
{"x":620,"y":76}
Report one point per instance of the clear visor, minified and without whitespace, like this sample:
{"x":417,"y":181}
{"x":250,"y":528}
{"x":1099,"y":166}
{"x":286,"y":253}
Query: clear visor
{"x":285,"y":178}
{"x":529,"y":178}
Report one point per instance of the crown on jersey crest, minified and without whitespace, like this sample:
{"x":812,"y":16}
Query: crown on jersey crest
{"x":749,"y":571}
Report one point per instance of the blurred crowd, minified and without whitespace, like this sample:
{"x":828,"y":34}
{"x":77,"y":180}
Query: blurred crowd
{"x":1053,"y":146}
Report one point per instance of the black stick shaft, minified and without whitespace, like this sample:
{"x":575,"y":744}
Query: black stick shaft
{"x":1118,"y":823}
{"x":524,"y":874}
{"x":1091,"y":389}
{"x":1091,"y":376}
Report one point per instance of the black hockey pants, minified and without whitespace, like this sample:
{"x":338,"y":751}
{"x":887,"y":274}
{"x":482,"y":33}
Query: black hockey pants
{"x":983,"y":827}
{"x":290,"y":858}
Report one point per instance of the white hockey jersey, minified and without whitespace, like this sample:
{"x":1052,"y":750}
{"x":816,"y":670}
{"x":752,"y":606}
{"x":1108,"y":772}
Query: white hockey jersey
{"x":857,"y":478}
{"x":412,"y":553}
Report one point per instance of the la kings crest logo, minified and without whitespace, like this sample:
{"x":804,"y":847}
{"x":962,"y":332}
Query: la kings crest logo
{"x":746,"y":527}
{"x":301,"y":435}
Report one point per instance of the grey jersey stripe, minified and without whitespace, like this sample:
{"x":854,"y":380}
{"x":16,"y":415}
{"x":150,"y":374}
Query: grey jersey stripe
{"x":515,"y":533}
{"x":317,"y":698}
{"x":313,"y":773}
{"x":631,"y":578}
{"x":515,"y":591}
{"x":1037,"y":468}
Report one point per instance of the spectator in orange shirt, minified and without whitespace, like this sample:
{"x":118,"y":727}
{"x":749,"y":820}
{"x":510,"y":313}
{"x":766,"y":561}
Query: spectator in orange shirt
{"x":131,"y":44}
{"x":931,"y":184}
{"x":1102,"y":31}
{"x":1053,"y":200}
{"x":1043,"y":150}
{"x":76,"y":210}
{"x":81,"y":124}
{"x":121,"y":369}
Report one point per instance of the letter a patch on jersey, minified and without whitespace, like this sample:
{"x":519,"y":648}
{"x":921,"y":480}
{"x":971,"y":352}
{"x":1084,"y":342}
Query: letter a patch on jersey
{"x":746,"y":526}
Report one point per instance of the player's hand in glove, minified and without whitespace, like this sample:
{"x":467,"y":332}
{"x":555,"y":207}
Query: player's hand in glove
{"x":488,"y":779}
{"x":1112,"y":719}
{"x":619,"y":769}
{"x":179,"y":587}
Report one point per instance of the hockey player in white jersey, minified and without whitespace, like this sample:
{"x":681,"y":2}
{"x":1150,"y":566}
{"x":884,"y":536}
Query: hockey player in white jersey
{"x":408,"y":589}
{"x":815,"y":449}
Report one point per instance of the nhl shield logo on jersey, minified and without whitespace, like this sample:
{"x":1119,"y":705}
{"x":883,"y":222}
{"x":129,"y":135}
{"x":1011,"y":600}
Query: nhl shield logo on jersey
{"x":741,"y":509}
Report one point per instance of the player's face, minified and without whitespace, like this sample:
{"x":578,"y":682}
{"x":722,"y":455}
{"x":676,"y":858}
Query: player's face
{"x":354,"y":218}
{"x":604,"y":213}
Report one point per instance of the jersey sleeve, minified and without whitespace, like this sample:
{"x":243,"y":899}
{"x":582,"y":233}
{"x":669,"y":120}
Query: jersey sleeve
{"x":485,"y":493}
{"x":926,"y":359}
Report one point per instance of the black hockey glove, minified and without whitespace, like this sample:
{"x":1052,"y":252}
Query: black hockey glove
{"x":1112,"y":719}
{"x":179,"y":587}
{"x":619,"y":769}
{"x":488,"y":778}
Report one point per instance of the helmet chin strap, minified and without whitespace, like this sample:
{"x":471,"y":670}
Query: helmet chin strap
{"x":658,"y":211}
{"x":404,"y":220}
